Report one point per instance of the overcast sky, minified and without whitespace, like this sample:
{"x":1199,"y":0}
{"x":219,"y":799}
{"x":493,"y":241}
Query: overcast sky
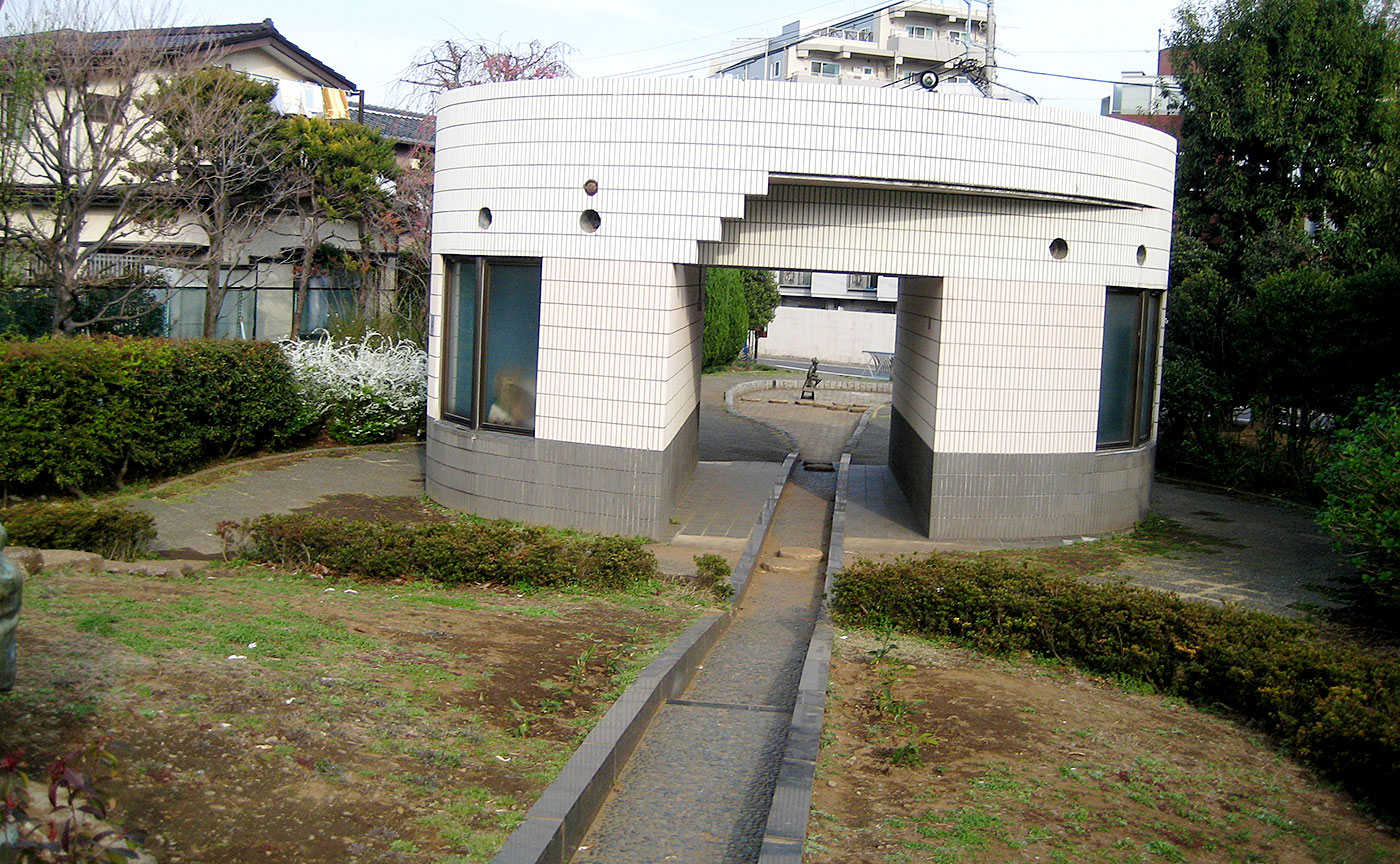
{"x":371,"y":41}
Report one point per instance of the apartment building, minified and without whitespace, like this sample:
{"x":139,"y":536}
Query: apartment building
{"x":887,"y":46}
{"x":1150,"y":100}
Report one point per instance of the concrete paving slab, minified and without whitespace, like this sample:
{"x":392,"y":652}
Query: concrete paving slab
{"x":185,"y":523}
{"x":724,"y":498}
{"x":1258,"y":553}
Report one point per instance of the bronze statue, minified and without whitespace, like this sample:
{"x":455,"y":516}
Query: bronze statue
{"x":809,"y":386}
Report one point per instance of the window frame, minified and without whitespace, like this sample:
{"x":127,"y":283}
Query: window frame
{"x":1144,"y":369}
{"x":824,"y":64}
{"x":477,"y":417}
{"x":102,"y":108}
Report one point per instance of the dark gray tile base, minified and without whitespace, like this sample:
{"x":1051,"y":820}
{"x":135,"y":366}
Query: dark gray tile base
{"x":612,"y":490}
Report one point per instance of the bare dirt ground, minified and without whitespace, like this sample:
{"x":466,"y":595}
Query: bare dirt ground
{"x":265,"y":718}
{"x":1019,"y":761}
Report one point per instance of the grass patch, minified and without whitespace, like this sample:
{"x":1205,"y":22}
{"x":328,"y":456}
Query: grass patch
{"x":1333,"y":704}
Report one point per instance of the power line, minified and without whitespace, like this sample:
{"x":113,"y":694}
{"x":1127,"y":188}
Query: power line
{"x":1059,"y":75}
{"x":707,"y":36}
{"x":702,"y":60}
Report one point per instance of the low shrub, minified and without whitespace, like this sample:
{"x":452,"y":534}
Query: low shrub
{"x":713,"y":574}
{"x":365,"y":390}
{"x":80,"y":414}
{"x":1334,"y":705}
{"x":458,"y":552}
{"x":1363,"y":496}
{"x":110,"y":531}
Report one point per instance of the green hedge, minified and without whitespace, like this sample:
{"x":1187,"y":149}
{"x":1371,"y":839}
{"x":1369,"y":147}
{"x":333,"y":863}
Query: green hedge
{"x":456,"y":552}
{"x":81,"y":414}
{"x":110,"y":531}
{"x":1334,"y":705}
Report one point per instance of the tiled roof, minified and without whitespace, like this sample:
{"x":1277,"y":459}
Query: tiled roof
{"x":396,"y":125}
{"x":220,"y":36}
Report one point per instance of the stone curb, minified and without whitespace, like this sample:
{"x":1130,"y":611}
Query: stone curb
{"x":861,"y":425}
{"x":35,"y":561}
{"x":560,"y":819}
{"x":748,"y":387}
{"x":853,"y":384}
{"x":739,"y":579}
{"x":786,"y":830}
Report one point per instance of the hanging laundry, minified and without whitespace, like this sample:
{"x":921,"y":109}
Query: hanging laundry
{"x":312,"y":103}
{"x":337,"y":105}
{"x":289,"y":98}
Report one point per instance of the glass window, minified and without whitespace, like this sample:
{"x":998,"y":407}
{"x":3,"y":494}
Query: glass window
{"x":511,"y":349}
{"x":325,"y":307}
{"x":493,"y":338}
{"x":1128,"y":372}
{"x":460,"y":385}
{"x":826,"y":70}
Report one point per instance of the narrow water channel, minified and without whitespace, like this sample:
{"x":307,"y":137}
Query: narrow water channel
{"x":698,"y":787}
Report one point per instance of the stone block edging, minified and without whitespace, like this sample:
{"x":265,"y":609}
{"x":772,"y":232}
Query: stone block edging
{"x":852,"y":384}
{"x":786,"y":830}
{"x":559,"y":820}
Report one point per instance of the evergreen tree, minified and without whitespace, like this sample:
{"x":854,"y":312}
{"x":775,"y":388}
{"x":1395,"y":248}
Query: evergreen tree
{"x":726,"y":316}
{"x":1290,"y":115}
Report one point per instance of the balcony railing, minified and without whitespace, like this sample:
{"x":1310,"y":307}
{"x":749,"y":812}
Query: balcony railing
{"x":851,"y":35}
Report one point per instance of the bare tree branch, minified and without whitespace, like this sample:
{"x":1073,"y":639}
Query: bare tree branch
{"x":450,"y":64}
{"x":75,"y":165}
{"x":216,"y":160}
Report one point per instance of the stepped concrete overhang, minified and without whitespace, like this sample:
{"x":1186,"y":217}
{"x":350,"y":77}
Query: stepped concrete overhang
{"x":1007,"y":223}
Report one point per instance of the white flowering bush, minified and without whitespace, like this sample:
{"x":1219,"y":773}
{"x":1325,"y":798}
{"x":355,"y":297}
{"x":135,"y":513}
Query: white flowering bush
{"x":366,"y":390}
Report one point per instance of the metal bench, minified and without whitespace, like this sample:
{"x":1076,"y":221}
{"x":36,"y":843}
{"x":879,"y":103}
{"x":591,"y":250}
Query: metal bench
{"x":881,"y":364}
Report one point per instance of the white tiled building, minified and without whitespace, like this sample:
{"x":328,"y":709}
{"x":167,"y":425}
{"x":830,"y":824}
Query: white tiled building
{"x":838,"y":317}
{"x":572,"y":219}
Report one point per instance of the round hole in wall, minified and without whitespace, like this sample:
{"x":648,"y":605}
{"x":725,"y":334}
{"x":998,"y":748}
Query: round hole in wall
{"x":483,"y":217}
{"x":1142,"y":255}
{"x":1058,"y":248}
{"x":590,"y":187}
{"x":589,"y":220}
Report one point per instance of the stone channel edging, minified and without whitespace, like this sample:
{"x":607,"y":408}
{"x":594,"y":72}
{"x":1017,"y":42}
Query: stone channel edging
{"x":558,"y":821}
{"x":792,"y":797}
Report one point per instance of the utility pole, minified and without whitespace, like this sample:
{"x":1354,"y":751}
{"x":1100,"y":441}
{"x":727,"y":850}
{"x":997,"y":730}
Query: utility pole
{"x":991,"y":68}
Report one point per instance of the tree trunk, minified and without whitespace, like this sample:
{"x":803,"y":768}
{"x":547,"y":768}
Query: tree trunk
{"x":213,"y":293}
{"x":308,"y":249}
{"x":368,"y":284}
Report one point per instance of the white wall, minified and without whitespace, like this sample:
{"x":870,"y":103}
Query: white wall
{"x":779,"y":176}
{"x":830,"y":335}
{"x":920,"y":320}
